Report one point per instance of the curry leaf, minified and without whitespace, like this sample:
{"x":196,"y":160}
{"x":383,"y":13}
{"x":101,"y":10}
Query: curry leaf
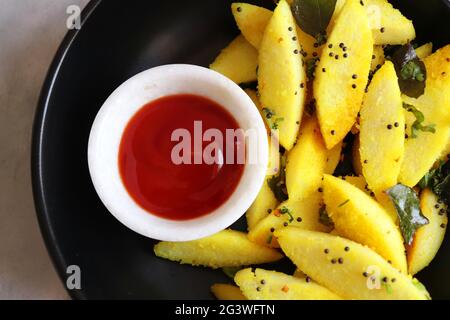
{"x":411,"y":71}
{"x":438,"y":180}
{"x":420,"y":118}
{"x":277,"y":183}
{"x":324,"y":218}
{"x":286,"y":210}
{"x":406,"y":203}
{"x":313,"y":16}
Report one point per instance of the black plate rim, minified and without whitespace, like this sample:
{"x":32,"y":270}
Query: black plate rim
{"x":37,"y":179}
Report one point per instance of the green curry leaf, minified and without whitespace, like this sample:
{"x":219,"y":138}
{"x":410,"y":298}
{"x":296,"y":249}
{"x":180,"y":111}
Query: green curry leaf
{"x":411,"y":71}
{"x":406,"y":203}
{"x":438,"y":180}
{"x":313,"y":16}
{"x":418,"y":123}
{"x":277,"y":183}
{"x":324,"y":218}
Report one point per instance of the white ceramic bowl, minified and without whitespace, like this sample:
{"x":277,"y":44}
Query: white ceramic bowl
{"x":119,"y":108}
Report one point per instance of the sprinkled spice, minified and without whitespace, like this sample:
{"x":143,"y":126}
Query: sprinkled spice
{"x":314,"y":54}
{"x":373,"y":57}
{"x":396,"y":124}
{"x":294,"y":38}
{"x":316,"y":44}
{"x":285,"y":288}
{"x":299,"y":219}
{"x":320,"y":189}
{"x":285,"y":224}
{"x":332,"y":132}
{"x":331,"y":54}
{"x":272,"y":229}
{"x":295,"y":51}
{"x":372,"y":194}
{"x":290,"y":29}
{"x":330,"y":46}
{"x":406,"y":136}
{"x":297,"y":122}
{"x":385,"y":279}
{"x":441,"y":212}
{"x":269,"y":210}
{"x":341,"y":260}
{"x":442,"y":225}
{"x":354,"y":86}
{"x":323,"y":69}
{"x":354,"y":76}
{"x":308,"y":279}
{"x":436,"y":206}
{"x":361,"y":2}
{"x":347,"y":249}
{"x":336,"y":57}
{"x":258,"y":289}
{"x":341,"y":45}
{"x":326,"y":251}
{"x":302,"y":85}
{"x":345,"y":55}
{"x":365,"y":274}
{"x":382,"y":29}
{"x":239,"y":9}
{"x":333,"y":261}
{"x":393,"y":280}
{"x":263,"y":281}
{"x":389,"y":261}
{"x":389,"y":126}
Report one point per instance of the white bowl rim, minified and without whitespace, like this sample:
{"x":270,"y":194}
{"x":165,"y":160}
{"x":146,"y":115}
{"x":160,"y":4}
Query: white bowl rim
{"x":120,"y":107}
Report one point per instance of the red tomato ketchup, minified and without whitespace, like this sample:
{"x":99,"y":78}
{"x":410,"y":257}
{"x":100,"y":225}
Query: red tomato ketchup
{"x":157,"y":184}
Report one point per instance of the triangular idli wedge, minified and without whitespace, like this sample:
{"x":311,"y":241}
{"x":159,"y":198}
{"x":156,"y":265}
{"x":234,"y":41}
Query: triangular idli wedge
{"x":347,"y":268}
{"x":281,"y":75}
{"x":382,"y":130}
{"x":271,"y":285}
{"x":428,"y":238}
{"x":238,"y":61}
{"x":342,"y":73}
{"x":422,"y":152}
{"x":357,"y":216}
{"x":227,"y":248}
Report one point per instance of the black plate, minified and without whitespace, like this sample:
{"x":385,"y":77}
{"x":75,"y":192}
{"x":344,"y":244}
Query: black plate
{"x":117,"y":40}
